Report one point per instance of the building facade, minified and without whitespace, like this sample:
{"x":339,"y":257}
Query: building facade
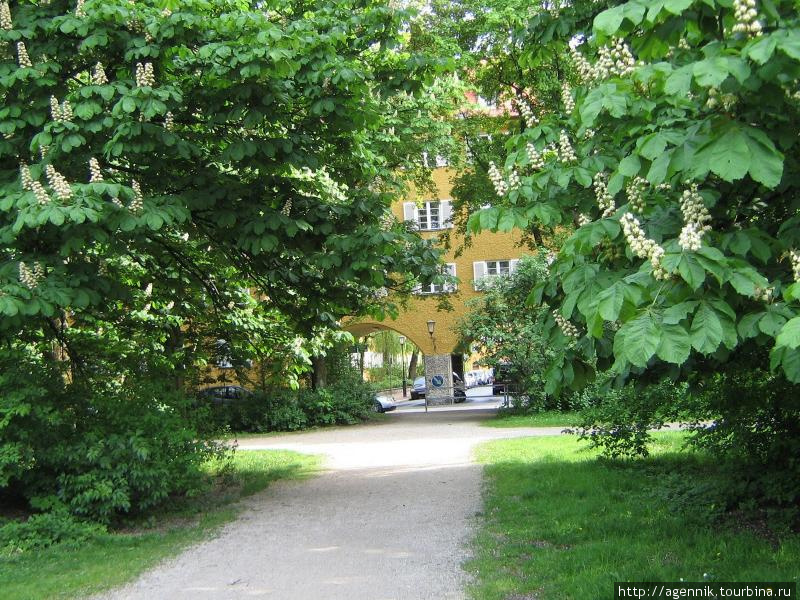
{"x":489,"y":255}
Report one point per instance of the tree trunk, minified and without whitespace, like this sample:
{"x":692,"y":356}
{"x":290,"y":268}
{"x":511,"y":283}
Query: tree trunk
{"x":319,"y":375}
{"x":412,"y":366}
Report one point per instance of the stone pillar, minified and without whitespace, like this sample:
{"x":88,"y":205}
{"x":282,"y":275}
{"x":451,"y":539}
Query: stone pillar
{"x":438,"y":370}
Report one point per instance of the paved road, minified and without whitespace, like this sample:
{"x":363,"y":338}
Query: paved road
{"x":389,"y":520}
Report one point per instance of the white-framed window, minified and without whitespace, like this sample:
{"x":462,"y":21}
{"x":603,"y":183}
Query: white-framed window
{"x":485,"y":270}
{"x":440,"y":288}
{"x":439,"y":161}
{"x":430,"y":215}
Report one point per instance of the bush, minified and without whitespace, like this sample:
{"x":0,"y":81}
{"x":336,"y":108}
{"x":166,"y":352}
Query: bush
{"x":345,"y":402}
{"x":96,"y":448}
{"x":43,"y":530}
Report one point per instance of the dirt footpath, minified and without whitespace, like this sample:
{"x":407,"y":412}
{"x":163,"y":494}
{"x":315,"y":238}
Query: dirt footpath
{"x":389,"y":519}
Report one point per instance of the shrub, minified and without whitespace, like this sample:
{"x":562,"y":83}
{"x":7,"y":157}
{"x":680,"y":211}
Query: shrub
{"x":95,"y":448}
{"x":43,"y":530}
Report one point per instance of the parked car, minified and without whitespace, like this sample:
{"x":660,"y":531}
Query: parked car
{"x":383,"y":404}
{"x":472,"y":378}
{"x":418,"y":389}
{"x":224,"y":394}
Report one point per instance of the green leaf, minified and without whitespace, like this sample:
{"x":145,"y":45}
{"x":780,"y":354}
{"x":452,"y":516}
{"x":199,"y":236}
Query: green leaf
{"x":789,"y":335}
{"x":729,"y":155}
{"x":771,"y":323}
{"x":691,"y":271}
{"x":641,"y":339}
{"x":679,"y":82}
{"x":677,"y":312}
{"x":762,"y":49}
{"x":675,"y":344}
{"x":128,"y":104}
{"x":629,"y":166}
{"x":609,"y":301}
{"x":653,"y":146}
{"x":748,"y":325}
{"x":706,"y":332}
{"x":766,"y":163}
{"x":608,"y":21}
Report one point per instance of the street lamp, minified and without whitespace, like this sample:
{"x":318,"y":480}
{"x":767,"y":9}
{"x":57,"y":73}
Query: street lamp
{"x":431,"y":327}
{"x":403,"y":361}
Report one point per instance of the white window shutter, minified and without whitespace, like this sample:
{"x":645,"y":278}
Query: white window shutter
{"x":512,"y":265}
{"x":446,"y":212}
{"x":451,"y":270}
{"x":479,"y":272}
{"x":410,"y":212}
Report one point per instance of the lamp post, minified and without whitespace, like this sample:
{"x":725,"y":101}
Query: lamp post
{"x":431,"y":327}
{"x":403,"y":361}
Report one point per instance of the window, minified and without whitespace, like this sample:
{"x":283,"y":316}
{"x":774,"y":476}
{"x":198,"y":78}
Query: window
{"x":485,"y":270}
{"x":429,"y":216}
{"x":440,"y":288}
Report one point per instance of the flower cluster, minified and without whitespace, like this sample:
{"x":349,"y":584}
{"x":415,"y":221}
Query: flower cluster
{"x":169,"y":121}
{"x":25,"y":176}
{"x":566,"y":153}
{"x":642,"y":246}
{"x":635,"y":192}
{"x":60,"y":112}
{"x":144,"y":75}
{"x":604,"y":200}
{"x":612,"y":61}
{"x":5,"y":16}
{"x":764,"y":294}
{"x":526,"y":112}
{"x":584,"y":219}
{"x":535,"y":158}
{"x":99,"y":75}
{"x":137,"y":203}
{"x":287,"y":208}
{"x":166,"y":13}
{"x":715,"y":99}
{"x":696,"y":217}
{"x":33,"y":186}
{"x":79,"y":10}
{"x":58,"y":182}
{"x":794,"y":257}
{"x":95,"y":174}
{"x":567,"y":328}
{"x":566,"y":98}
{"x":22,"y":56}
{"x":499,"y":182}
{"x":744,"y":11}
{"x":31,"y":277}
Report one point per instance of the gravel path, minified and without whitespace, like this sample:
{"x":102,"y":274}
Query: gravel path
{"x":389,"y":519}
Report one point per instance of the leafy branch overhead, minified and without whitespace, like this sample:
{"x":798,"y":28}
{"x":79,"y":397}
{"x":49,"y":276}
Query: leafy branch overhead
{"x":672,"y":155}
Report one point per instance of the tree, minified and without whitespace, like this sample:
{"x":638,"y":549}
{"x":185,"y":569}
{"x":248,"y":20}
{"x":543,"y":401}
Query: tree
{"x":182,"y":184}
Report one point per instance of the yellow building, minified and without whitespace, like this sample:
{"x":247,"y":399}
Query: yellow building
{"x":489,"y":255}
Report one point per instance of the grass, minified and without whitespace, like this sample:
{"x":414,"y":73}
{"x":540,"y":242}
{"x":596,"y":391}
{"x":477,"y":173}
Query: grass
{"x":113,"y":559}
{"x":560,"y":524}
{"x":549,"y":418}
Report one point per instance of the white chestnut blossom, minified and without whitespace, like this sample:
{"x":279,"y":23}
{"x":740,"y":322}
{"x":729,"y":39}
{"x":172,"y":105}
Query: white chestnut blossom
{"x":95,"y":174}
{"x":79,"y":9}
{"x":60,"y":112}
{"x":5,"y":16}
{"x":137,"y":203}
{"x":42,"y":197}
{"x":584,"y":219}
{"x":287,"y":208}
{"x":526,"y":112}
{"x":22,"y":56}
{"x":566,"y":153}
{"x":535,"y":158}
{"x":58,"y":182}
{"x":642,"y":246}
{"x":635,"y":191}
{"x":615,"y":60}
{"x":764,"y":294}
{"x":567,"y":328}
{"x":99,"y":74}
{"x":746,"y":15}
{"x":605,"y":201}
{"x":25,"y":177}
{"x":695,"y":217}
{"x":169,"y":121}
{"x":794,"y":257}
{"x":144,"y":75}
{"x":499,"y":182}
{"x":566,"y":98}
{"x":30,"y":277}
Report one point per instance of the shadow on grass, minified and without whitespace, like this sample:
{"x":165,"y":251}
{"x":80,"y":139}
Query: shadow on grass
{"x":561,"y":523}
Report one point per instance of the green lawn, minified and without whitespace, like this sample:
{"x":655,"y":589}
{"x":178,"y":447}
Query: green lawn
{"x":118,"y":557}
{"x":550,"y":418}
{"x":559,"y":524}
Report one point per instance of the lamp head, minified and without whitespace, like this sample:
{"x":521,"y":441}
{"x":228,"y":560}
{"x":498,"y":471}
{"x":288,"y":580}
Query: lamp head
{"x":431,"y":326}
